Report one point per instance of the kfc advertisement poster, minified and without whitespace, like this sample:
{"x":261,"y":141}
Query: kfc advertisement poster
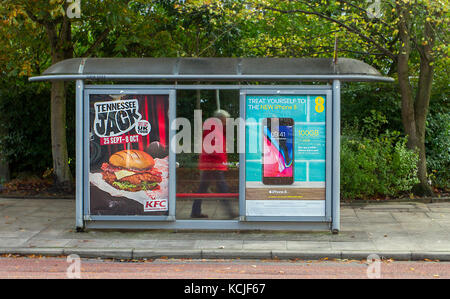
{"x":129,"y":169}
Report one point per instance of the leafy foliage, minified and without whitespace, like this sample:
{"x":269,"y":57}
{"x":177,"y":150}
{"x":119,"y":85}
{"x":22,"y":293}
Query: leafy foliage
{"x":268,"y":28}
{"x":374,"y":164}
{"x":27,"y":141}
{"x":438,"y":149}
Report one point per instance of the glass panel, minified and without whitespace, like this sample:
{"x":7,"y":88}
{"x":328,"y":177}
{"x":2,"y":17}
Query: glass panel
{"x":207,"y":177}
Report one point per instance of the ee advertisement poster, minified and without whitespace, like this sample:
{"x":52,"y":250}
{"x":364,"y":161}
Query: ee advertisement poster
{"x":285,"y":155}
{"x":128,"y":148}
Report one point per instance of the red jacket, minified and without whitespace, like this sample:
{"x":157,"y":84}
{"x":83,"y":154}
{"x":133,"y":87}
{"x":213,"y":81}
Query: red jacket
{"x":217,"y":159}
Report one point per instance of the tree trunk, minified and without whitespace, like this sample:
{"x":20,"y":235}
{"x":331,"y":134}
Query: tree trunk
{"x":408,"y":115}
{"x":414,"y":111}
{"x":62,"y":48}
{"x":414,"y":114}
{"x":421,"y":110}
{"x":61,"y":45}
{"x":4,"y":165}
{"x":4,"y":171}
{"x":422,"y":103}
{"x":63,"y":176}
{"x":406,"y":90}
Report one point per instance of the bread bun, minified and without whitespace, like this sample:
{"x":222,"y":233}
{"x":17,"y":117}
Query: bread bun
{"x":132,"y":159}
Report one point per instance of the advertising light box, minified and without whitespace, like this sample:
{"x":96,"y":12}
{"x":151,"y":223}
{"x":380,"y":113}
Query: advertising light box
{"x":128,"y":154}
{"x":285,"y":157}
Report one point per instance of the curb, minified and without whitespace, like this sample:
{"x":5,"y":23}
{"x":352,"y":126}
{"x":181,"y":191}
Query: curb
{"x":130,"y":253}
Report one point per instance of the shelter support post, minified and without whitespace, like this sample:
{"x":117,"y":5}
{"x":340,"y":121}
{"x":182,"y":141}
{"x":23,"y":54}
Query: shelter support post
{"x":335,"y":227}
{"x":79,"y":154}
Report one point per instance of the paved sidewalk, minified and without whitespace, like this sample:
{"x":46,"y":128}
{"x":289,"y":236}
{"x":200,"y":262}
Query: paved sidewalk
{"x":401,"y":231}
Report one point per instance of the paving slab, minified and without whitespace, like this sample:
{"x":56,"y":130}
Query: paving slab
{"x":139,"y":244}
{"x":266,"y":244}
{"x":54,"y":243}
{"x":351,"y":246}
{"x":410,"y":216}
{"x":308,"y":246}
{"x":176,"y":244}
{"x":220,"y":244}
{"x":12,"y":242}
{"x":396,"y":244}
{"x":89,"y":243}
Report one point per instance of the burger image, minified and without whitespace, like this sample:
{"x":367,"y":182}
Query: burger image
{"x":131,"y":170}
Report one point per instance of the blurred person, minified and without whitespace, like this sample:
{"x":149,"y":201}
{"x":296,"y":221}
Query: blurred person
{"x":213,"y":162}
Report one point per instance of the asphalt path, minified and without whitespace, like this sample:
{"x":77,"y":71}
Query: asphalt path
{"x":63,"y":267}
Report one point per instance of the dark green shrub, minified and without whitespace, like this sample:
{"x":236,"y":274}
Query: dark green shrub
{"x":360,"y":98}
{"x":375,"y":165}
{"x":437,"y":144}
{"x":25,"y":141}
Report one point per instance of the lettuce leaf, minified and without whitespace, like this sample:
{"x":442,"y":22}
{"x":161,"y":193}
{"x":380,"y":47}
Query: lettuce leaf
{"x":149,"y":186}
{"x":127,"y":185}
{"x":124,"y":185}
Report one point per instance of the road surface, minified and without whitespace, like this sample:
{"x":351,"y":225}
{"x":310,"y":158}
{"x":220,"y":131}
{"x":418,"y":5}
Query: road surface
{"x":63,"y":267}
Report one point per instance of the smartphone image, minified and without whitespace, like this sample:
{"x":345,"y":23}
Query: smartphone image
{"x":278,"y":151}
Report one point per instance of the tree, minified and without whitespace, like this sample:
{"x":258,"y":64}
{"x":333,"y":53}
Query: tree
{"x":409,"y":34}
{"x":51,"y":18}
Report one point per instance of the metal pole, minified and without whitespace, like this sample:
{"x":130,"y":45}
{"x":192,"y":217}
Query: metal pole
{"x":336,"y":156}
{"x":172,"y":156}
{"x":79,"y":154}
{"x":241,"y":150}
{"x":217,"y":99}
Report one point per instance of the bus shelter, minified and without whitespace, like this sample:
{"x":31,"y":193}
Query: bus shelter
{"x":208,"y":143}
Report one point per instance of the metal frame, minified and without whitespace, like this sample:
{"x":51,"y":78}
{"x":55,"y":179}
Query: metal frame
{"x":329,"y":175}
{"x":79,"y":154}
{"x":126,"y":77}
{"x":212,"y":69}
{"x":226,"y":225}
{"x":332,"y":213}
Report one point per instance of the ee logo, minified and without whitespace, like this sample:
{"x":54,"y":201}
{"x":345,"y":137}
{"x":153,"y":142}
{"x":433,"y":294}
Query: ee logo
{"x":320,"y":104}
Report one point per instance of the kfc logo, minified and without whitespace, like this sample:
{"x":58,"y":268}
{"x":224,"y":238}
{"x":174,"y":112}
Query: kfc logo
{"x":155,"y":205}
